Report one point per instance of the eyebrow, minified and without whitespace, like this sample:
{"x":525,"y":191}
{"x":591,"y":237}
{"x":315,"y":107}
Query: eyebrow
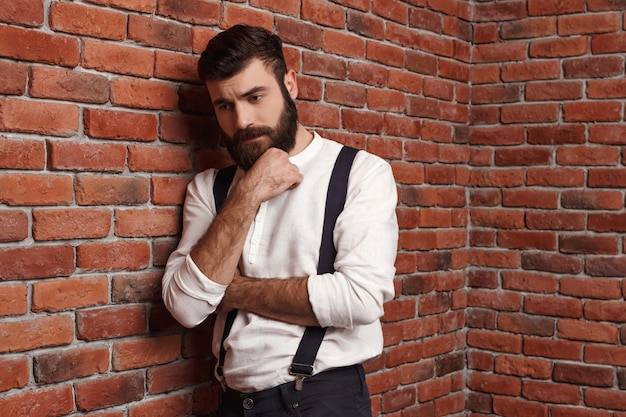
{"x":250,"y":92}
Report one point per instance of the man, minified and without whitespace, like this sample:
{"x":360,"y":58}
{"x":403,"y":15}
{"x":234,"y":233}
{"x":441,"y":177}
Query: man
{"x":259,"y":253}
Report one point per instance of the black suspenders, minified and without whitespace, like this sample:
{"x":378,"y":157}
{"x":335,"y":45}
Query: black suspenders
{"x":302,"y":364}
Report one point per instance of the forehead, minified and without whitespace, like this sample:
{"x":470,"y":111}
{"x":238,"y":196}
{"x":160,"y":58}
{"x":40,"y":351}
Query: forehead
{"x":254,"y":76}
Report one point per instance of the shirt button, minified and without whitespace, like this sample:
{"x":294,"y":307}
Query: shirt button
{"x":248,"y":403}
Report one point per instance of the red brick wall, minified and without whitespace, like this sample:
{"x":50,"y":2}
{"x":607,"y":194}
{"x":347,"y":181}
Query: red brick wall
{"x":503,"y":122}
{"x":546,"y":315}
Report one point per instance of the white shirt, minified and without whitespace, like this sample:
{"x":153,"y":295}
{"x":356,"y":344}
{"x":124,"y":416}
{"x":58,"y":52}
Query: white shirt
{"x":283,"y":242}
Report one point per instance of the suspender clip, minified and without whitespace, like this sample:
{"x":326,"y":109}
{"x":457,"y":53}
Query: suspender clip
{"x":300,"y":371}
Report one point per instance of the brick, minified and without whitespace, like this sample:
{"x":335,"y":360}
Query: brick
{"x":606,"y":267}
{"x":111,"y":124}
{"x":28,"y":116}
{"x":145,"y":352}
{"x":66,"y":224}
{"x":398,"y":399}
{"x":40,"y":402}
{"x":64,"y":365}
{"x":324,"y":65}
{"x":159,"y":159}
{"x":147,"y":6}
{"x":541,"y":8}
{"x":608,"y":134}
{"x":385,"y":54}
{"x":36,"y":333}
{"x":596,"y":67}
{"x":606,"y":89}
{"x":607,"y":222}
{"x":434,"y":388}
{"x":526,"y":240}
{"x":528,"y":28}
{"x":111,"y":256}
{"x":605,"y":311}
{"x":523,"y":156}
{"x":494,"y":341}
{"x":590,"y":288}
{"x":90,"y":21}
{"x":22,"y":154}
{"x":607,"y":177}
{"x":137,"y":287}
{"x":556,"y":90}
{"x":36,"y":262}
{"x":110,"y":322}
{"x":563,"y":411}
{"x":586,"y":375}
{"x":550,"y":262}
{"x":362,"y":121}
{"x":284,"y":7}
{"x":350,"y":95}
{"x":495,"y":384}
{"x":13,"y":225}
{"x":529,"y":282}
{"x":16,"y":373}
{"x":523,"y":367}
{"x":344,"y":44}
{"x":500,"y":52}
{"x":585,"y":24}
{"x":526,"y":198}
{"x":35,"y":190}
{"x":28,"y":12}
{"x":159,"y":33}
{"x":549,"y":305}
{"x":587,"y":155}
{"x":608,"y":43}
{"x":455,"y":71}
{"x":168,"y":191}
{"x":421,"y":63}
{"x":495,"y":259}
{"x":556,"y":221}
{"x":605,"y":398}
{"x":14,"y":75}
{"x":191,"y":11}
{"x":365,"y":24}
{"x":188,"y":128}
{"x":177,"y":375}
{"x":366,"y":73}
{"x":323,"y":13}
{"x":68,"y":85}
{"x":70,"y":293}
{"x":500,"y":11}
{"x":109,"y":391}
{"x":531,"y":71}
{"x":146,"y":222}
{"x":556,"y":135}
{"x":111,"y":190}
{"x":176,"y":404}
{"x":495,"y":94}
{"x":503,"y":219}
{"x":559,"y":177}
{"x":549,"y":392}
{"x":176,"y":67}
{"x":407,"y":353}
{"x":508,"y":301}
{"x":559,"y":47}
{"x":143,"y":94}
{"x":13,"y":301}
{"x":72,"y":156}
{"x":589,"y":332}
{"x":31,"y":45}
{"x":607,"y":355}
{"x":389,"y":148}
{"x":437,"y":45}
{"x":552,"y":349}
{"x":530,"y":113}
{"x":233,"y":15}
{"x":316,"y":114}
{"x":116,"y":58}
{"x":599,"y":245}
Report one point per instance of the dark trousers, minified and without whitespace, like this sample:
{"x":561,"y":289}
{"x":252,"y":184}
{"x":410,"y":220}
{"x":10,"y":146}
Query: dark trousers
{"x":339,"y":392}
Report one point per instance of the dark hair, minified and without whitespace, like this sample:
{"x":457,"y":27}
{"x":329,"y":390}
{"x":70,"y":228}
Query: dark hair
{"x":231,"y":51}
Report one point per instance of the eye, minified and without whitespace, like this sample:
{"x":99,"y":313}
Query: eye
{"x":224,"y":106}
{"x":255,"y":98}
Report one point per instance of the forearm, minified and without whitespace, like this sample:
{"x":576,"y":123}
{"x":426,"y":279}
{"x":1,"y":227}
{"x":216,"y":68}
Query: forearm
{"x":285,"y":300}
{"x":217,"y":253}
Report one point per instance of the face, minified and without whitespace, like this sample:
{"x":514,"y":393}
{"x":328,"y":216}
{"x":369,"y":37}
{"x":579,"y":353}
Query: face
{"x":254,"y":113}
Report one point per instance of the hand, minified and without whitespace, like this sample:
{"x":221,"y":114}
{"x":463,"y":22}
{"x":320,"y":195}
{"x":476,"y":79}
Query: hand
{"x":271,"y":175}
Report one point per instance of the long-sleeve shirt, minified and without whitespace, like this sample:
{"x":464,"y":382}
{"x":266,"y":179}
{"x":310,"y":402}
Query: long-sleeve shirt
{"x":282,"y":242}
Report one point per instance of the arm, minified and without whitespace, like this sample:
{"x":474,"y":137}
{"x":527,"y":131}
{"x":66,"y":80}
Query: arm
{"x":366,"y":241}
{"x":194,"y":286}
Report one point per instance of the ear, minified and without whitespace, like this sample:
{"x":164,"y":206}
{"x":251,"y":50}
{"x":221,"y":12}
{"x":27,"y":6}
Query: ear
{"x":291,"y":83}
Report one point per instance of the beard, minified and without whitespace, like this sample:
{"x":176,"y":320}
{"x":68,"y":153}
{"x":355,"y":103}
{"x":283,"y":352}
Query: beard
{"x":282,"y":136}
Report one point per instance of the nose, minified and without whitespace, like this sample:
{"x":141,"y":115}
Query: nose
{"x":243,"y":116}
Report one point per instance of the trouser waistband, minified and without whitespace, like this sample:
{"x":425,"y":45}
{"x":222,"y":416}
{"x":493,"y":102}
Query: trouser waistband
{"x":287,"y":395}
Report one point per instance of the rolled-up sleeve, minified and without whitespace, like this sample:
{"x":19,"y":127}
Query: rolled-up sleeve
{"x":366,"y":239}
{"x":187,"y":293}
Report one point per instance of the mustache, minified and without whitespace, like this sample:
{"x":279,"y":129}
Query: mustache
{"x":252,"y":132}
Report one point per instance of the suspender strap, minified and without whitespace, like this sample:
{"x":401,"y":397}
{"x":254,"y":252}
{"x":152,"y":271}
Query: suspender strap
{"x":223,"y":179}
{"x":302,"y":364}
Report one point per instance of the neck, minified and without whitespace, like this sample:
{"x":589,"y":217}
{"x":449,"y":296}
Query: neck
{"x":303,"y":139}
